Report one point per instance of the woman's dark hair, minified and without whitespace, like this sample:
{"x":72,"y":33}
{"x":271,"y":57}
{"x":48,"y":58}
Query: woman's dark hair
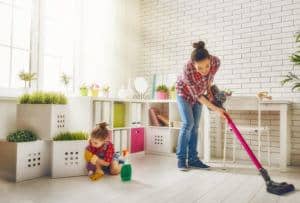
{"x":101,"y":131}
{"x":199,"y":53}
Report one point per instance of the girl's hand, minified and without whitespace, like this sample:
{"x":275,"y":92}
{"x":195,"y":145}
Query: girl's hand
{"x":221,"y":112}
{"x":94,"y":159}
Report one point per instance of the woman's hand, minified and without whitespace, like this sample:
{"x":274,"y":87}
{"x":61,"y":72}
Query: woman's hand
{"x":213,"y":107}
{"x":221,"y":112}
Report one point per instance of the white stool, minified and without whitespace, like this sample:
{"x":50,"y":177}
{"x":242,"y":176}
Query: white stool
{"x":255,"y":129}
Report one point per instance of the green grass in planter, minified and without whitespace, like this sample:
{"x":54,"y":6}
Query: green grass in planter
{"x":71,"y":136}
{"x":21,"y":136}
{"x":43,"y":98}
{"x":25,"y":99}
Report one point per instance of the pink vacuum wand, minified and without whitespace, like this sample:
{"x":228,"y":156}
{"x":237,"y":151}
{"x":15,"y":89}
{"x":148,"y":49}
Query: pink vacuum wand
{"x":218,"y":99}
{"x":272,"y":187}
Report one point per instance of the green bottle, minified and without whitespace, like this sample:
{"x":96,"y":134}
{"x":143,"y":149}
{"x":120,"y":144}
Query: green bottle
{"x":126,"y":170}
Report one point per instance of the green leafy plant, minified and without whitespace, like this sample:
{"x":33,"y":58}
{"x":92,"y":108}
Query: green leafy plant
{"x":21,"y":136}
{"x":43,"y":98}
{"x":65,"y":79}
{"x":27,"y":77}
{"x":292,"y":78}
{"x":71,"y":136}
{"x":162,"y":88}
{"x":172,"y":88}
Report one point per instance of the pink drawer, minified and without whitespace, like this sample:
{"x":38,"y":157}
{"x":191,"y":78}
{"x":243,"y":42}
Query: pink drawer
{"x":137,"y":140}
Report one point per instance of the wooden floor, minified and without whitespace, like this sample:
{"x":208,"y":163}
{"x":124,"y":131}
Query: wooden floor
{"x":155,"y":179}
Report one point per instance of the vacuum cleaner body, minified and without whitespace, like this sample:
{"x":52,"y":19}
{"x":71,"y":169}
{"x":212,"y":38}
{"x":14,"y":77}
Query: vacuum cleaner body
{"x":219,"y":98}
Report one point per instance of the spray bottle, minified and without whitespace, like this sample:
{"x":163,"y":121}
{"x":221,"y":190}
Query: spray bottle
{"x":126,"y":170}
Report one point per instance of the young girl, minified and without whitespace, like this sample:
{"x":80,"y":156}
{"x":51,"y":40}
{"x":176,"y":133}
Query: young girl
{"x":198,"y":75}
{"x":99,"y":154}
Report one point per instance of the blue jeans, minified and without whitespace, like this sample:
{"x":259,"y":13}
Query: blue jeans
{"x":188,"y":135}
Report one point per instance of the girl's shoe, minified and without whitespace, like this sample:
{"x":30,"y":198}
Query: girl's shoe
{"x":198,"y":164}
{"x":182,"y":165}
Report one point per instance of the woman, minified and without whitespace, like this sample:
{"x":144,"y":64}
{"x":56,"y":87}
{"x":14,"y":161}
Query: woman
{"x":191,"y":86}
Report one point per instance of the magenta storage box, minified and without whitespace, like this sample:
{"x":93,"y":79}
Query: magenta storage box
{"x":137,"y":140}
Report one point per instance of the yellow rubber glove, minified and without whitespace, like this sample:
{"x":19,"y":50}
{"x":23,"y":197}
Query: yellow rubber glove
{"x":88,"y":155}
{"x":94,"y":159}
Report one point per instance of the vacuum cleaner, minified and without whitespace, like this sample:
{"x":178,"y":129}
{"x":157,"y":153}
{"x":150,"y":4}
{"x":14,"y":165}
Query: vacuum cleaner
{"x":219,"y":97}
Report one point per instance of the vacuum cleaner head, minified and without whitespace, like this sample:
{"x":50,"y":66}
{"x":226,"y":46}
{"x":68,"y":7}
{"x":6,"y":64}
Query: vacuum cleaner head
{"x":276,"y":188}
{"x":279,"y":188}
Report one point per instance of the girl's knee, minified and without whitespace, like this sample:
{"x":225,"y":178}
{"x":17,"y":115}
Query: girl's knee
{"x":115,"y":168}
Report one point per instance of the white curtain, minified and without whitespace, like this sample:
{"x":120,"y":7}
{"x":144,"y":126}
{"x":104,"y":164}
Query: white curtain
{"x":110,"y":42}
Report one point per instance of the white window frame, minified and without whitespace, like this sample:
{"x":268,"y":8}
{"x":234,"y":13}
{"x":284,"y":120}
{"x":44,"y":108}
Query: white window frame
{"x":36,"y":52}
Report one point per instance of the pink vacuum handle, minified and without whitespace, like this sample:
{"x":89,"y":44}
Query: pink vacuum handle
{"x":242,"y":141}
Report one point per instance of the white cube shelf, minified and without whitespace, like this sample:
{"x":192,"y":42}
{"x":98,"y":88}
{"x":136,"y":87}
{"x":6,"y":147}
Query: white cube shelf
{"x":24,"y":160}
{"x":46,"y":120}
{"x":68,"y":158}
{"x":159,"y":140}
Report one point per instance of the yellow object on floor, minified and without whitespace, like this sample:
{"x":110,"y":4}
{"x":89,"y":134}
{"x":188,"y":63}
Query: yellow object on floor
{"x":97,"y":175}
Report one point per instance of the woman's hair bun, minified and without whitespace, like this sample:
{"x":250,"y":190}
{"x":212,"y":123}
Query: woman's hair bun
{"x":199,"y":45}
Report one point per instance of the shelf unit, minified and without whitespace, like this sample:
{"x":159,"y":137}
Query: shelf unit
{"x":162,"y":140}
{"x":126,"y":136}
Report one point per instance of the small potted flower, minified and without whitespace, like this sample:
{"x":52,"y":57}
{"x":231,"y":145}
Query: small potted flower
{"x":162,"y":92}
{"x":106,"y":89}
{"x":173,"y":92}
{"x":84,"y":90}
{"x":94,"y":89}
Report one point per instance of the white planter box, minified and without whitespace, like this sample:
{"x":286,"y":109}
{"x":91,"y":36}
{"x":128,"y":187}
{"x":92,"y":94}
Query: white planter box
{"x":68,"y":158}
{"x":46,"y":120}
{"x":24,"y":160}
{"x":159,"y":140}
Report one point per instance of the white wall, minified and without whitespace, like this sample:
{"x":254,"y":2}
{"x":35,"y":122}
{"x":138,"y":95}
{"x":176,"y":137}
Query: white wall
{"x":110,"y":46}
{"x":253,"y":39}
{"x":8,"y":111}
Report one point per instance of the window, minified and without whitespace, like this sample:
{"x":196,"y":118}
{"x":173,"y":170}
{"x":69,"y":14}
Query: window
{"x":15,"y":22}
{"x":59,"y":37}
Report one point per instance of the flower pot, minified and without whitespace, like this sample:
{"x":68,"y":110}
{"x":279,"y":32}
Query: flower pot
{"x":68,"y":158}
{"x":84,"y":92}
{"x":94,"y":92}
{"x":161,"y":95}
{"x":21,"y":161}
{"x":46,"y":120}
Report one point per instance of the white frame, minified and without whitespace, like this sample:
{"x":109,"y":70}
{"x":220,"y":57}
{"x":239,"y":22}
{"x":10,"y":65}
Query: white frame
{"x":36,"y":51}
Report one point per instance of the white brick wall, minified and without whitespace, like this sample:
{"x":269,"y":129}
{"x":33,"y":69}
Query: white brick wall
{"x":253,"y":39}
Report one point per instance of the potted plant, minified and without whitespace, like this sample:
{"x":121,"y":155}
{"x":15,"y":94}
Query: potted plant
{"x":68,"y":154}
{"x":173,"y":92}
{"x":94,"y":88}
{"x":23,"y":157}
{"x":43,"y":112}
{"x":65,"y":79}
{"x":27,"y":77}
{"x":84,"y":90}
{"x":292,"y":78}
{"x":106,"y":90}
{"x":162,"y":92}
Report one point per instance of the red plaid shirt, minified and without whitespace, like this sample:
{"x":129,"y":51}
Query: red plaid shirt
{"x":191,"y":84}
{"x":105,"y":152}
